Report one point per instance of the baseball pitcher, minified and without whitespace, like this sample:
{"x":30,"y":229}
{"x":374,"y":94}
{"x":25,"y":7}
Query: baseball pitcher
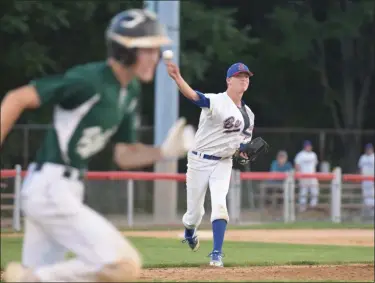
{"x":93,"y":105}
{"x":225,"y":127}
{"x":305,"y":162}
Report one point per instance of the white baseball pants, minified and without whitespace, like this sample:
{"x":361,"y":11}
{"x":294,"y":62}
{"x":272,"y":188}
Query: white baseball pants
{"x":368,"y":193}
{"x":57,"y":221}
{"x":306,"y":186}
{"x":203,"y":173}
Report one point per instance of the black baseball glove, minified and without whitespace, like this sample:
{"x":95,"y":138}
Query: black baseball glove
{"x":251,"y":149}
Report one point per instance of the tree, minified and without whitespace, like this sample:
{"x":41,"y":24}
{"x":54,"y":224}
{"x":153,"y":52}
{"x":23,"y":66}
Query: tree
{"x":211,"y":37}
{"x":43,"y":38}
{"x":302,"y":54}
{"x":337,"y":41}
{"x":209,"y":41}
{"x":47,"y":37}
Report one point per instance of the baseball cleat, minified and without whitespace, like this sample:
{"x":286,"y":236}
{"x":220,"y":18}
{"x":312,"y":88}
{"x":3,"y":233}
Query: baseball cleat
{"x":193,"y":241}
{"x":15,"y":272}
{"x":216,"y":259}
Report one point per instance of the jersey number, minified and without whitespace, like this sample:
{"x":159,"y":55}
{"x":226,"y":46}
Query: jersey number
{"x":231,"y":125}
{"x":93,"y":140}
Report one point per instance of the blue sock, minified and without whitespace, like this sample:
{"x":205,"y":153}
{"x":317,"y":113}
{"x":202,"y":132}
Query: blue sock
{"x":189,"y":232}
{"x":218,"y":228}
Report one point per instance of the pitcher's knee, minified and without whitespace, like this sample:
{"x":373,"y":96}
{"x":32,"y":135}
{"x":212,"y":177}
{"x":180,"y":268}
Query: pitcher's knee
{"x":192,"y":221}
{"x":219,"y":212}
{"x":124,"y":270}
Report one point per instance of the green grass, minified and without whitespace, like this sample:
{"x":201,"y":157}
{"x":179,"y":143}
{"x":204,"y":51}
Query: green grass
{"x":171,"y":253}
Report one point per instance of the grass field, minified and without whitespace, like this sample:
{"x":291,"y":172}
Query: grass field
{"x":167,"y":253}
{"x":170,"y":260}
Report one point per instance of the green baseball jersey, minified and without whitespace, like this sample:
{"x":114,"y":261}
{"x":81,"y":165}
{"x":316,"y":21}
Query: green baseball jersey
{"x":90,"y":109}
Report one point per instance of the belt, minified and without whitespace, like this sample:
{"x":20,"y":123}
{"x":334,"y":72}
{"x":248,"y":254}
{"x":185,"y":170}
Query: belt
{"x":206,"y":156}
{"x":67,"y":173}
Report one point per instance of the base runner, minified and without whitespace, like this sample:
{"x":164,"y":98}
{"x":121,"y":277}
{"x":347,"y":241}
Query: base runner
{"x":93,"y":105}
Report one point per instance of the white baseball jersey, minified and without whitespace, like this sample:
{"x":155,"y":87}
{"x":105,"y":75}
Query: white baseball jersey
{"x":366,"y":164}
{"x":222,"y":126}
{"x":307,"y":161}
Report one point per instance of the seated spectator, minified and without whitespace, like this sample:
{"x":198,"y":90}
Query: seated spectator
{"x":281,"y":164}
{"x":273,"y":188}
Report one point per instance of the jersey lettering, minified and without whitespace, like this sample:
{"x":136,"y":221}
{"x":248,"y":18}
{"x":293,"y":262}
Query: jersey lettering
{"x":220,"y":130}
{"x":231,"y":125}
{"x":93,"y":140}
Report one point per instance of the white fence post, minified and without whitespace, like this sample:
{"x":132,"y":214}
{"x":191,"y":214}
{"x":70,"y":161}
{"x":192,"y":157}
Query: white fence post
{"x":130,"y":192}
{"x":286,"y":199}
{"x":289,"y":206}
{"x":17,"y":198}
{"x":336,"y":188}
{"x":292,"y":194}
{"x":238,"y":197}
{"x":234,"y":196}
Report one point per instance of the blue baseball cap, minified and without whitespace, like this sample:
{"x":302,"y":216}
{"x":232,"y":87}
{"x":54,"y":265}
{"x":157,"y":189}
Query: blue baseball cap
{"x":307,"y":143}
{"x":368,"y":146}
{"x":238,"y":68}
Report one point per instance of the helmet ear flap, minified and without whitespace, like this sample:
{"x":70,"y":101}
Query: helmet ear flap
{"x":131,"y":57}
{"x":125,"y":56}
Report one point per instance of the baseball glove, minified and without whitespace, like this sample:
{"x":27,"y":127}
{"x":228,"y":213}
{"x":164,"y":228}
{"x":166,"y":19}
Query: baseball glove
{"x":251,"y":150}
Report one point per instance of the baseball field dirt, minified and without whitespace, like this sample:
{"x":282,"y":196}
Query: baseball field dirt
{"x":340,"y":237}
{"x":347,"y":273}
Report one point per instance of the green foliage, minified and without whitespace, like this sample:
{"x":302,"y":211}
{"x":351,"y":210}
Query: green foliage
{"x":308,"y":56}
{"x":210,"y":37}
{"x":300,"y":29}
{"x":335,"y":42}
{"x":42,"y":36}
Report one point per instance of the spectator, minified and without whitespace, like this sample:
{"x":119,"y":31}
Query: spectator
{"x":366,"y":167}
{"x":274,"y":187}
{"x":281,"y":164}
{"x":305,"y":162}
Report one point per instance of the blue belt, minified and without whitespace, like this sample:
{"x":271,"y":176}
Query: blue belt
{"x":206,"y":156}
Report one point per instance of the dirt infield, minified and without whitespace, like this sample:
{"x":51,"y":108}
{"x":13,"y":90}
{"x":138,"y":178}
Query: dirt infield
{"x":341,"y":237}
{"x":347,"y":273}
{"x":345,"y":237}
{"x":352,"y":272}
